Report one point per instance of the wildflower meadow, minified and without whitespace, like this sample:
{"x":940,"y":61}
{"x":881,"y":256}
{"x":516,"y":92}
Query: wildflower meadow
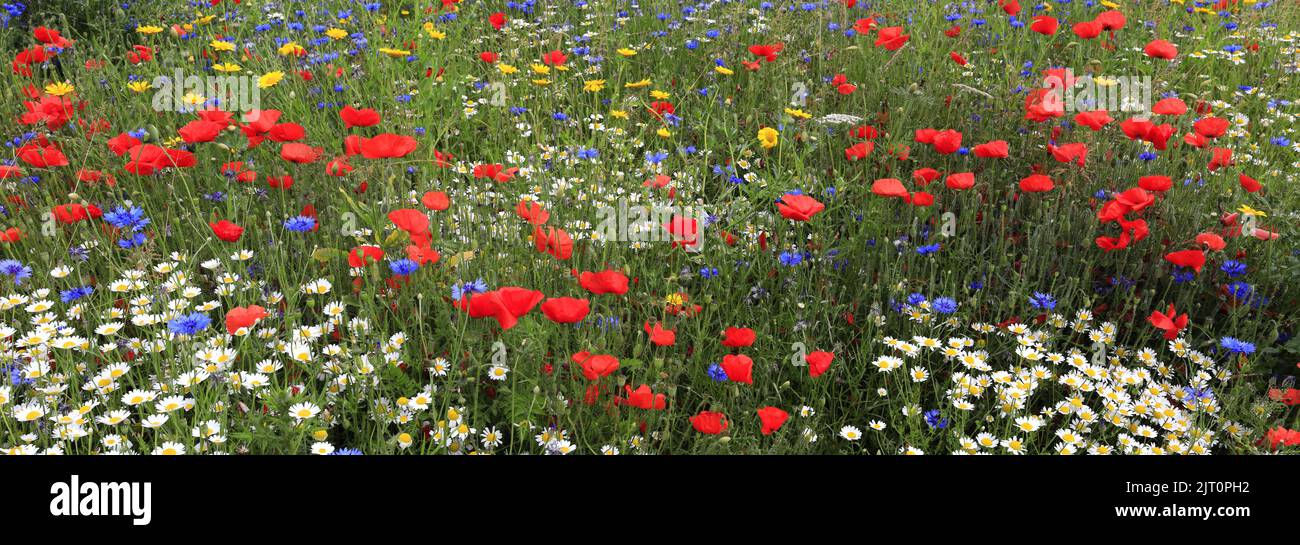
{"x":650,"y":227}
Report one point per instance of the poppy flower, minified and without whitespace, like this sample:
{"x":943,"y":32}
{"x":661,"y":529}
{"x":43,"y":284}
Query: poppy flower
{"x":1211,"y":241}
{"x":1219,"y":158}
{"x":338,"y":167}
{"x":387,"y":145}
{"x":1249,"y":184}
{"x":660,"y":336}
{"x":1158,"y":184}
{"x":280,"y":182}
{"x":121,"y":143}
{"x":960,"y":180}
{"x":1274,"y":437}
{"x":422,"y":254}
{"x":1042,"y":104}
{"x":39,"y":156}
{"x":771,"y":419}
{"x":889,"y":187}
{"x":607,"y":281}
{"x":200,"y":130}
{"x":1135,"y":199}
{"x":859,"y":151}
{"x":1110,"y":19}
{"x":1094,"y":120}
{"x":1169,"y":106}
{"x":891,"y":38}
{"x":1075,"y":152}
{"x":532,"y":212}
{"x":410,"y":220}
{"x":12,"y":234}
{"x":241,"y":317}
{"x":506,"y":305}
{"x":1169,"y":321}
{"x":435,"y":200}
{"x":553,"y":241}
{"x":1087,"y":30}
{"x":1044,"y":25}
{"x":365,"y":255}
{"x":739,"y":368}
{"x":286,"y":132}
{"x":566,"y":310}
{"x":488,"y":57}
{"x":960,"y":60}
{"x":295,"y":152}
{"x":73,"y":213}
{"x":226,"y":230}
{"x":1211,"y":127}
{"x":1036,"y":183}
{"x":644,"y":398}
{"x":496,"y":172}
{"x":766,"y":52}
{"x":685,"y":231}
{"x":596,"y":366}
{"x":1195,"y":259}
{"x":10,"y":171}
{"x":997,"y":149}
{"x":709,"y":422}
{"x":947,"y":141}
{"x":1010,"y":7}
{"x":818,"y":362}
{"x":1160,"y":49}
{"x":497,"y":20}
{"x":657,"y":182}
{"x":799,"y":207}
{"x":352,"y":117}
{"x":738,"y":337}
{"x":555,"y":58}
{"x":148,"y":159}
{"x":864,"y":26}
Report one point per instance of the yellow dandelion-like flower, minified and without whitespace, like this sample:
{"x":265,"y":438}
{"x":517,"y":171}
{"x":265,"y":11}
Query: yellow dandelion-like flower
{"x":291,"y":48}
{"x":221,"y":45}
{"x":269,"y":79}
{"x":59,"y":89}
{"x":139,"y":86}
{"x":592,"y":86}
{"x":659,"y":95}
{"x":800,"y":114}
{"x":338,"y":33}
{"x":627,"y":52}
{"x":637,"y":84}
{"x":507,"y":69}
{"x":227,"y":67}
{"x":723,"y":70}
{"x":541,"y":82}
{"x":768,"y":137}
{"x":620,"y":114}
{"x":148,"y":29}
{"x":663,"y":132}
{"x":395,"y":53}
{"x":541,"y":69}
{"x":193,"y":99}
{"x":1251,"y":212}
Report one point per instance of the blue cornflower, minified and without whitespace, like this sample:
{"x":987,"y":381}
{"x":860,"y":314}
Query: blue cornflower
{"x":461,"y":289}
{"x":15,"y":268}
{"x":791,"y":259}
{"x":944,"y":305}
{"x":347,"y":451}
{"x":927,"y":249}
{"x":1233,"y":268}
{"x":403,"y":267}
{"x":1237,"y":346}
{"x":1240,"y":290}
{"x":189,"y":324}
{"x":934,"y":419}
{"x":300,"y":224}
{"x":1043,"y":301}
{"x":717,"y":374}
{"x":131,"y":219}
{"x":708,"y":272}
{"x":916,"y":299}
{"x":68,"y":296}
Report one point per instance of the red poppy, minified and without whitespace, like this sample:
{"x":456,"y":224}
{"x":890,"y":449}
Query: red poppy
{"x":532,"y":212}
{"x":1187,"y":258}
{"x":1160,"y":49}
{"x":387,"y":145}
{"x":338,"y":167}
{"x":864,"y":26}
{"x":12,"y":234}
{"x":799,"y":207}
{"x":1169,"y":106}
{"x":960,"y":60}
{"x":121,"y":143}
{"x":240,"y":317}
{"x":1251,"y":185}
{"x":960,"y":180}
{"x":1211,"y":241}
{"x":997,"y":149}
{"x":506,"y":305}
{"x":497,"y":20}
{"x":38,"y":156}
{"x":595,"y":366}
{"x":286,"y":132}
{"x":947,"y":141}
{"x":1094,"y":120}
{"x":435,"y":200}
{"x":1010,"y":7}
{"x":1036,"y":183}
{"x":352,"y":117}
{"x":496,"y":172}
{"x":889,"y":187}
{"x":766,"y":52}
{"x":891,"y":38}
{"x":685,"y":231}
{"x":566,"y":310}
{"x":738,"y":337}
{"x":709,"y":422}
{"x":295,"y":152}
{"x":1087,"y":29}
{"x":488,"y":57}
{"x":859,"y":151}
{"x":410,"y":220}
{"x":365,"y":255}
{"x":553,"y":241}
{"x":1110,"y":20}
{"x":1169,"y":321}
{"x":608,"y":281}
{"x":1156,"y":183}
{"x":1070,"y":153}
{"x":644,"y":398}
{"x":660,"y":336}
{"x":226,"y":230}
{"x":148,"y":159}
{"x":772,"y":418}
{"x":200,"y":130}
{"x":818,"y":362}
{"x":280,"y":182}
{"x":555,"y":58}
{"x":73,"y":213}
{"x":739,"y":368}
{"x":1219,"y":158}
{"x":1211,"y":127}
{"x":1274,"y":437}
{"x":1044,"y":25}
